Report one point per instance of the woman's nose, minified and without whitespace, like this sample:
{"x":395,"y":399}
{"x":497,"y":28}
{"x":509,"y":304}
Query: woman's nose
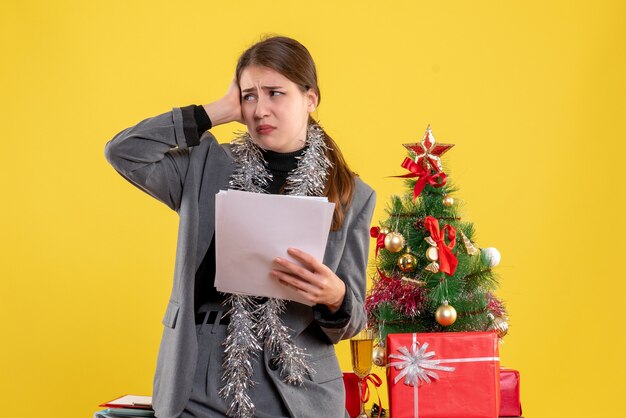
{"x":262,"y":107}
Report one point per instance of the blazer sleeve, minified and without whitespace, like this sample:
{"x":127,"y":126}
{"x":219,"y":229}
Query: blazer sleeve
{"x":154,"y":154}
{"x":351,"y":316}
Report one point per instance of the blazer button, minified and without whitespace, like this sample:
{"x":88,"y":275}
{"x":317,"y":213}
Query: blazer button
{"x":273,"y":363}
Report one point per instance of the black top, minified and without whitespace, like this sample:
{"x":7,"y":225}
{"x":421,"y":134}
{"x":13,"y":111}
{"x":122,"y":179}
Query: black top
{"x":280,"y":165}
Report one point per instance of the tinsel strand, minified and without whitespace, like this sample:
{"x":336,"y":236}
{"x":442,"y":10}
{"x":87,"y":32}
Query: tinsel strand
{"x":309,"y":177}
{"x":290,"y":357}
{"x":250,"y":174}
{"x":241,"y":349}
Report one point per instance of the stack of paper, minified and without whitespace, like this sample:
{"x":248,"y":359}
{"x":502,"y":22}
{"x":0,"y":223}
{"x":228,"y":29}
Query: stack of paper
{"x":252,"y":229}
{"x":127,"y":406}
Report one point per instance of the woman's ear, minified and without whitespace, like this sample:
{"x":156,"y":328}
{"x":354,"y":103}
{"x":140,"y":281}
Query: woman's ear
{"x":312,"y":99}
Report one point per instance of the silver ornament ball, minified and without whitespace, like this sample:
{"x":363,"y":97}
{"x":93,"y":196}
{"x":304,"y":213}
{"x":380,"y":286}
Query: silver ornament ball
{"x":490,"y":256}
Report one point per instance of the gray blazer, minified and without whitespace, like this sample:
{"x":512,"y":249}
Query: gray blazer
{"x":156,"y":156}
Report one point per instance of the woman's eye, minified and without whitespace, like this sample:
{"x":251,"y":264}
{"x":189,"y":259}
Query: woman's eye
{"x":275,"y":93}
{"x":248,"y":97}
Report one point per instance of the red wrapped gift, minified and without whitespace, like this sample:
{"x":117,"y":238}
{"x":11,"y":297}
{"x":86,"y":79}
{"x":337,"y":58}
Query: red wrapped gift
{"x":443,"y":375}
{"x":351,"y":382}
{"x":510,"y":405}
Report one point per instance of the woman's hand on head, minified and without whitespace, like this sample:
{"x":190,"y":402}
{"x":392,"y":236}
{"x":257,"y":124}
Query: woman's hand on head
{"x":228,"y":108}
{"x":313,"y":280}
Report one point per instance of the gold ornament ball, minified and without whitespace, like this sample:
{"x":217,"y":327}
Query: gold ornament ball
{"x":445,"y":315}
{"x":384,"y":230}
{"x":394,"y":242}
{"x":448,"y":201}
{"x":500,"y":326}
{"x":432,"y":254}
{"x":379,"y":356}
{"x":407,"y":262}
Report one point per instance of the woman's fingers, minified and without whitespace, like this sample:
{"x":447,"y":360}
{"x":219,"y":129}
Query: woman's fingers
{"x":294,"y":282}
{"x":307,"y":259}
{"x":311,"y":278}
{"x":308,"y":291}
{"x":295,"y":269}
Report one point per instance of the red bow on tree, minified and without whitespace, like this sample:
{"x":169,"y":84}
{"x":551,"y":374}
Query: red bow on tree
{"x":447,"y":260}
{"x":425,"y":177}
{"x":380,"y":238}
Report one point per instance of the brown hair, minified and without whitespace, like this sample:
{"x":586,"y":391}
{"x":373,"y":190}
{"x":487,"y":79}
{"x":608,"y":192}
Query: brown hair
{"x":291,"y":59}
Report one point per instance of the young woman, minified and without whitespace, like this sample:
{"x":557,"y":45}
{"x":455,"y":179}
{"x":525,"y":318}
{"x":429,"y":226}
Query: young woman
{"x":244,"y":356}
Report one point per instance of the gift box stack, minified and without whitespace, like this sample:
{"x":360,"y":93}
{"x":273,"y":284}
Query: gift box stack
{"x":438,"y":374}
{"x":510,"y":405}
{"x":448,"y":375}
{"x":432,"y":304}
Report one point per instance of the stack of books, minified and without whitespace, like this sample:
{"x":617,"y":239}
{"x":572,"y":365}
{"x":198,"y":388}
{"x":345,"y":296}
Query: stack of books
{"x":127,"y":406}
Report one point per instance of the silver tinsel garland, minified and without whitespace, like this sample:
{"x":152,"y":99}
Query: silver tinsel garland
{"x":249,"y":318}
{"x":241,"y":350}
{"x":309,"y":177}
{"x":290,"y":358}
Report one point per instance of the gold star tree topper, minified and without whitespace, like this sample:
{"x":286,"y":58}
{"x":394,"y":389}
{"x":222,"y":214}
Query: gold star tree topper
{"x":427,"y":152}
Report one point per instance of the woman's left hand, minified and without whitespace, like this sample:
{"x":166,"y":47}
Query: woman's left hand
{"x":314,"y":280}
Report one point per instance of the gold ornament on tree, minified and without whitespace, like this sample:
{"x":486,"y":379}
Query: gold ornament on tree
{"x":432,"y":254}
{"x":412,"y":282}
{"x":447,"y":201}
{"x":379,"y":356}
{"x":394,"y":242}
{"x":384,"y":230}
{"x":446,"y":314}
{"x":470,"y":248}
{"x":407,"y":262}
{"x":500,"y":326}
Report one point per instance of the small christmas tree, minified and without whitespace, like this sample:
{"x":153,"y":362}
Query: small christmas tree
{"x":430,"y":276}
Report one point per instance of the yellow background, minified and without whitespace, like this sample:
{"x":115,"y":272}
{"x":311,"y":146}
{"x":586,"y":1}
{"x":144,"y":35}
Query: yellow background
{"x":532,"y":94}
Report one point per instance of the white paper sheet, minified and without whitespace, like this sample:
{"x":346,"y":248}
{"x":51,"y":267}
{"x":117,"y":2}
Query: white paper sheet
{"x":252,"y":229}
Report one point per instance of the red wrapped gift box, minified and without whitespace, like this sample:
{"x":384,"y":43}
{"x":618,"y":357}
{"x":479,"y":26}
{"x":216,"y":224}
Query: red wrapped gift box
{"x":510,"y":405}
{"x":443,"y":375}
{"x":351,"y":382}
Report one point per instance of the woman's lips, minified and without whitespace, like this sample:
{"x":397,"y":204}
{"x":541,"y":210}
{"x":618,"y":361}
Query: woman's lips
{"x":265,"y":129}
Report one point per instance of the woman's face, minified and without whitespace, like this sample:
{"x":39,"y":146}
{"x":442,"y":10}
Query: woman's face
{"x":274,"y":109}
